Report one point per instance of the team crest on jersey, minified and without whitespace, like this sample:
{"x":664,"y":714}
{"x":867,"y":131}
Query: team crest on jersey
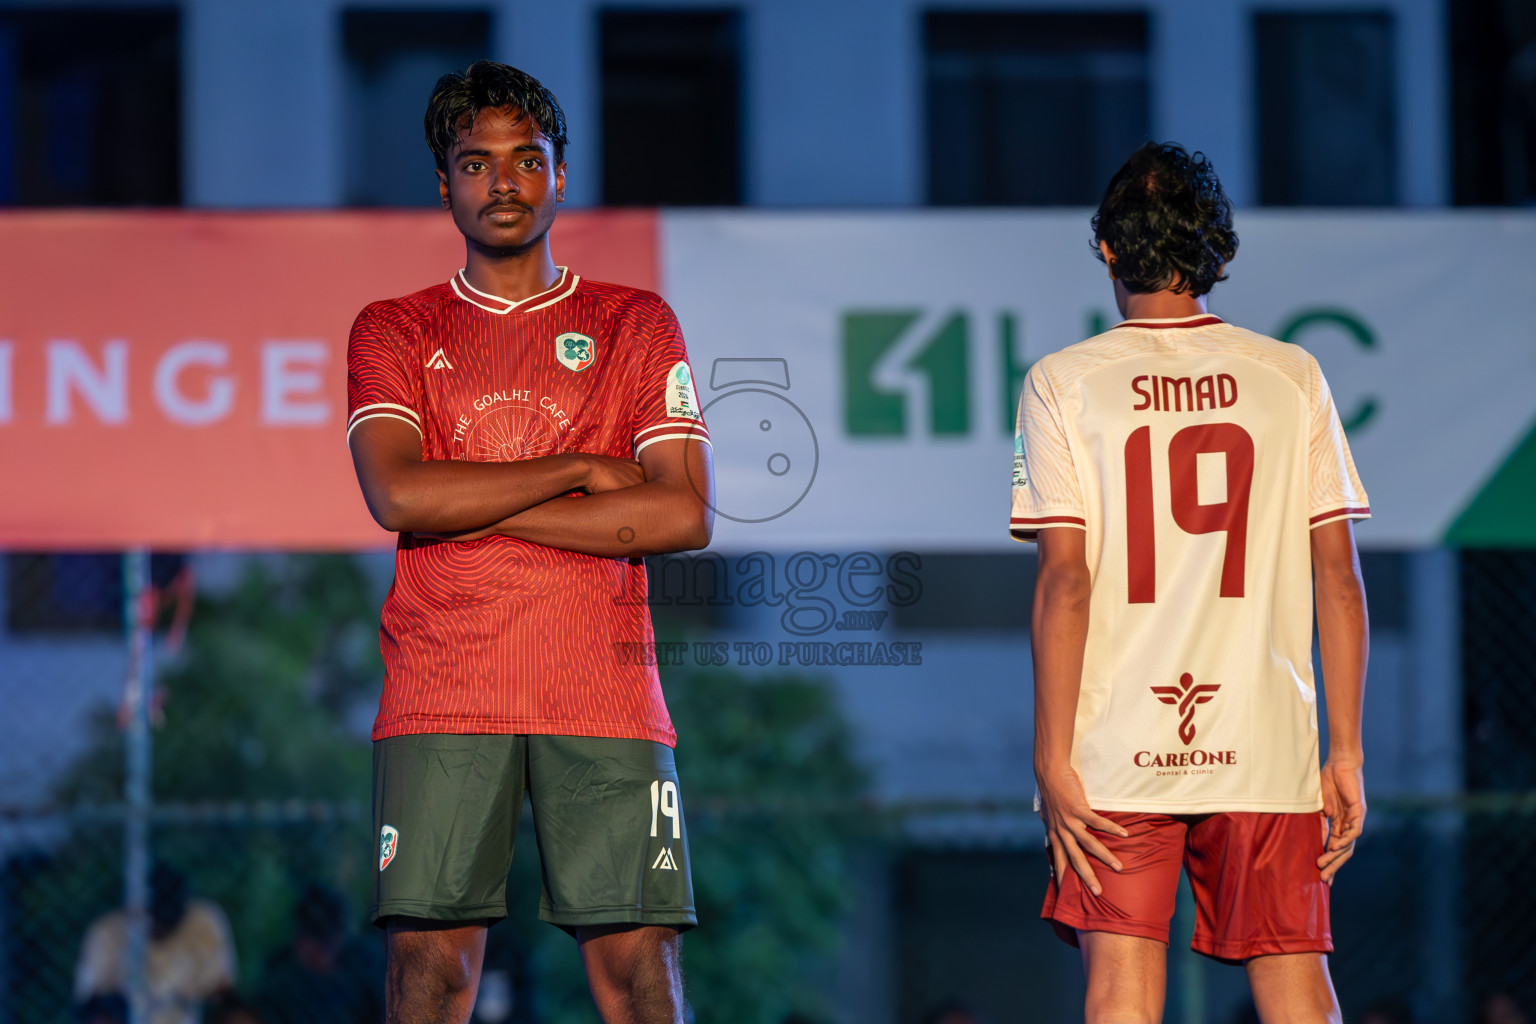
{"x":1185,"y":696}
{"x":681,"y":400}
{"x":575,"y":351}
{"x":389,"y":840}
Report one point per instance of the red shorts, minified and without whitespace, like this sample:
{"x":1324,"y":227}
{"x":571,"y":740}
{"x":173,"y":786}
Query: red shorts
{"x":1257,"y":887}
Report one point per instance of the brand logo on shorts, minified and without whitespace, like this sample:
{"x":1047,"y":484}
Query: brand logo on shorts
{"x":389,"y":840}
{"x":1185,"y":696}
{"x":664,"y":861}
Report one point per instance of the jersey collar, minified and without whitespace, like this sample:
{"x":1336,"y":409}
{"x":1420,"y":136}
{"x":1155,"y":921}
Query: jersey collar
{"x":563,"y":286}
{"x":1198,"y":320}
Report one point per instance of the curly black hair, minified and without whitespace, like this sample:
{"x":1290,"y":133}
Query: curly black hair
{"x":487,"y":85}
{"x":1167,"y":221}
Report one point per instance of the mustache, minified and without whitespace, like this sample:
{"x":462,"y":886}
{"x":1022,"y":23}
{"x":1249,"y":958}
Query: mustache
{"x":506,"y":204}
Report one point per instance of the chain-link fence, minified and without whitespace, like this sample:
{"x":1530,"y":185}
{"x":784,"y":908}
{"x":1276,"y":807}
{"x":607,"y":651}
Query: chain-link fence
{"x":820,"y":897}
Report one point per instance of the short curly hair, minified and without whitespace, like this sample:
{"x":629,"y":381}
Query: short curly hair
{"x":1167,"y":222}
{"x":487,"y":85}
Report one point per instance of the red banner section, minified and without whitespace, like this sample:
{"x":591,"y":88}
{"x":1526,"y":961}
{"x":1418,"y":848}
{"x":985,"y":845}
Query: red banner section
{"x":179,"y":379}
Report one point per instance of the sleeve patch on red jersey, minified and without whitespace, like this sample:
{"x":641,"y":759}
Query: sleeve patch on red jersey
{"x":681,"y":400}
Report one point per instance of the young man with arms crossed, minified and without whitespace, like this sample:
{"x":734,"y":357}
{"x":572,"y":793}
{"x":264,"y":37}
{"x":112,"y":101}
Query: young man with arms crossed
{"x":530,"y":435}
{"x":1188,"y":482}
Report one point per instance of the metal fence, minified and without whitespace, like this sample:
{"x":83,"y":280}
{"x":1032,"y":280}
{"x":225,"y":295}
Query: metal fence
{"x":258,"y":772}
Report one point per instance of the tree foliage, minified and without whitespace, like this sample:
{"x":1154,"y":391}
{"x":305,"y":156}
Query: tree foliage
{"x":772,"y":796}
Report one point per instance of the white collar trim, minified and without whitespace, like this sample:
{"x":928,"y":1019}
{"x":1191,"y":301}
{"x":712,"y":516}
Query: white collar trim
{"x":565,"y":285}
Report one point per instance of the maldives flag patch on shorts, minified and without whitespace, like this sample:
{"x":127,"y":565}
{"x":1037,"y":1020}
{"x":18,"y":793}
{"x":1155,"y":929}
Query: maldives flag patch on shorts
{"x":389,"y":839}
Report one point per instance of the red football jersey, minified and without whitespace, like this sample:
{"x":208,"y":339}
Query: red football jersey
{"x":500,"y":635}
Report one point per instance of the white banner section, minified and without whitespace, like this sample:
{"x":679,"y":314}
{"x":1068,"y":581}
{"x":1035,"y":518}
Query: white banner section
{"x":859,"y":372}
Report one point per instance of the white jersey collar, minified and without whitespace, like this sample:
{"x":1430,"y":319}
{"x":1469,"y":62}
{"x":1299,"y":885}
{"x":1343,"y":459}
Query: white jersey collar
{"x":563,"y":286}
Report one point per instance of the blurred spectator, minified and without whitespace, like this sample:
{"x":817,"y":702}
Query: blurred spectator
{"x":1246,"y":1013}
{"x":191,"y":956}
{"x":111,"y":1009}
{"x":951,"y":1011}
{"x":326,"y":976}
{"x":1500,"y":1008}
{"x":228,"y":1009}
{"x":1392,"y":1010}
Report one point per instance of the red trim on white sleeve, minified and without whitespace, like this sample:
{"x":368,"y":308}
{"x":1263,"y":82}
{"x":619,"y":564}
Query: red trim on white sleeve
{"x":1362,"y":512}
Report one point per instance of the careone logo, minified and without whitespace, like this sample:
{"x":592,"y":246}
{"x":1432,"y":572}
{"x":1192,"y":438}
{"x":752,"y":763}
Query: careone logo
{"x":1185,"y":696}
{"x":389,"y":841}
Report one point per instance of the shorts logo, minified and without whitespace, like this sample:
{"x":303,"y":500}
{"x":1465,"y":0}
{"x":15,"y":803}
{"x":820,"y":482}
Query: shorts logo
{"x":389,"y":839}
{"x":575,"y":351}
{"x":1186,"y":695}
{"x":664,"y":861}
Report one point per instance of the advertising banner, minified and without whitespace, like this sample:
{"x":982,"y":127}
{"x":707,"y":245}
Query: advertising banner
{"x":860,"y":372}
{"x":179,"y":379}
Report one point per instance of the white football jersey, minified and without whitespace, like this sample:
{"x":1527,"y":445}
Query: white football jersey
{"x":1197,"y":456}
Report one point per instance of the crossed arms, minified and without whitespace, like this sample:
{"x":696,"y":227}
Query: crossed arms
{"x":1060,"y":631}
{"x":629,"y":509}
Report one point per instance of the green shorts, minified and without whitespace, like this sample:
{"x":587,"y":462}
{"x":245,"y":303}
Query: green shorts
{"x":607,"y":816}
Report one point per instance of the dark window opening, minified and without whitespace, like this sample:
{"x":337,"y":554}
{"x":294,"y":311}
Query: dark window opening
{"x":76,"y":592}
{"x":90,"y":107}
{"x":971,"y":592}
{"x":393,"y":59}
{"x":1032,"y":109}
{"x":671,"y":84}
{"x":1493,"y":101}
{"x":1326,"y":109}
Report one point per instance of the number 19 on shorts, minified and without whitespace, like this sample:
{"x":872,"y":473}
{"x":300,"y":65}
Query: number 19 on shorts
{"x":664,"y":804}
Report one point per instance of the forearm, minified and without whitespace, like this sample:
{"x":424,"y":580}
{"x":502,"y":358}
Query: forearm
{"x":1344,"y":637}
{"x":1059,"y":633}
{"x":650,"y":518}
{"x":443,"y":496}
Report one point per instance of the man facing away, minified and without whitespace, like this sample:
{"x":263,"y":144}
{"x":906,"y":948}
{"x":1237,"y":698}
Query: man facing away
{"x":530,"y":435}
{"x":1187,"y":482}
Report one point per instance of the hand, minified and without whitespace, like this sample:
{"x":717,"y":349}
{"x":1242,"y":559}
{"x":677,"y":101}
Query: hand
{"x":604,"y":473}
{"x":1344,"y":808}
{"x":1068,"y":819}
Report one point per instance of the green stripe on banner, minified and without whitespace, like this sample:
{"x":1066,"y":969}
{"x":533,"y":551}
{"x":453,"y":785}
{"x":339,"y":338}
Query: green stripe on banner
{"x":1503,"y":515}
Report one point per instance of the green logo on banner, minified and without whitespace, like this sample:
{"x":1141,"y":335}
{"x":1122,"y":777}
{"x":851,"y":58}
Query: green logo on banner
{"x":877,"y":396}
{"x":942,"y":360}
{"x":870,"y":410}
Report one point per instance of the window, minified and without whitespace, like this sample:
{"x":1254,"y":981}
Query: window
{"x":90,"y":108}
{"x":75,"y":592}
{"x":968,"y":592}
{"x":393,"y":59}
{"x":671,"y":99}
{"x":1326,"y":129}
{"x":1032,"y":108}
{"x":1493,"y":102}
